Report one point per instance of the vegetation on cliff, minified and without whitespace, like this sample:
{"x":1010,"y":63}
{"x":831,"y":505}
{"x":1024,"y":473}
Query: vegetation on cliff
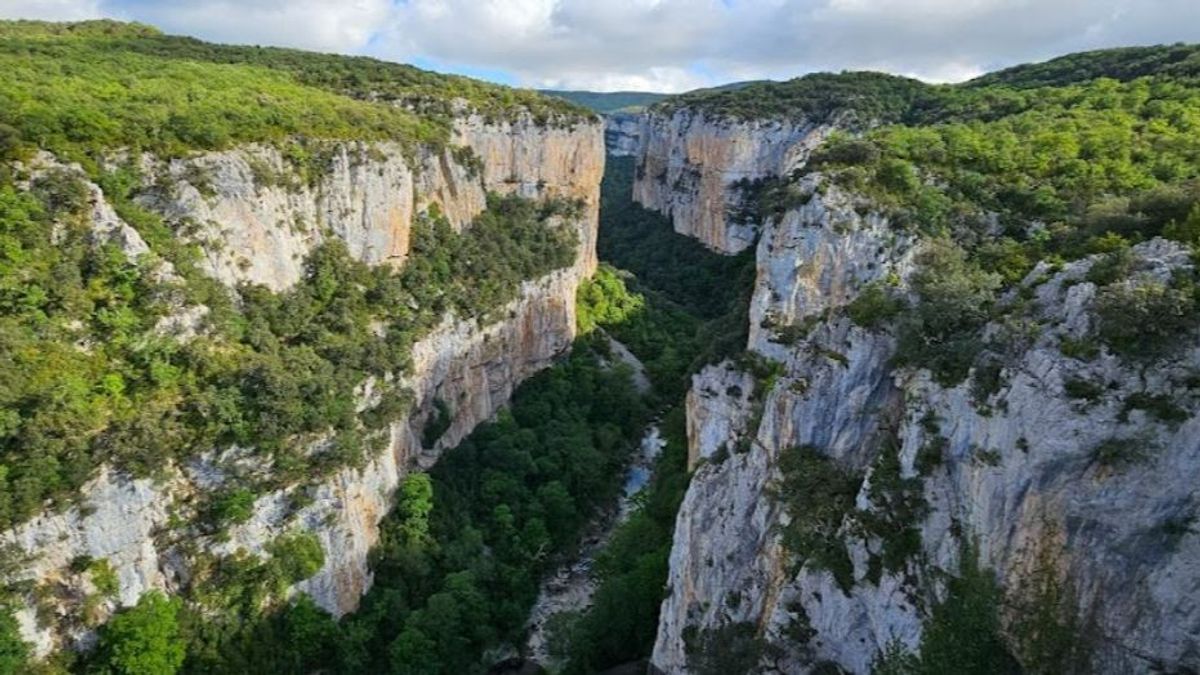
{"x":467,"y":544}
{"x":276,"y":371}
{"x":83,"y":89}
{"x":1021,"y":186}
{"x":1083,"y":155}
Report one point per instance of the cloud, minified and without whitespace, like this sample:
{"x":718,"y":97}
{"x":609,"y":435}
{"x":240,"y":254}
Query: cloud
{"x":667,"y":45}
{"x":51,"y":10}
{"x":323,"y":25}
{"x":673,"y":45}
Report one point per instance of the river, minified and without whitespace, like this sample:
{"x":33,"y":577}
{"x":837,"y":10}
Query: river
{"x":571,"y":587}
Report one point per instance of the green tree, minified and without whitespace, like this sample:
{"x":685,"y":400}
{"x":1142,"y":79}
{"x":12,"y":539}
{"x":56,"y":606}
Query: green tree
{"x":14,"y":653}
{"x":963,"y":634}
{"x":143,"y":640}
{"x":1186,"y":230}
{"x":413,"y":507}
{"x":955,"y":298}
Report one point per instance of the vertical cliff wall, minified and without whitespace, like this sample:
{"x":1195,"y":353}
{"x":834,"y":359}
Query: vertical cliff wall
{"x":694,"y":168}
{"x":256,"y":216}
{"x":623,"y":133}
{"x":1019,"y":471}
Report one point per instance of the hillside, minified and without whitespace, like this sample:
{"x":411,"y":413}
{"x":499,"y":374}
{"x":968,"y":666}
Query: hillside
{"x":974,"y":310}
{"x":609,"y":101}
{"x":246,"y":292}
{"x":79,"y":88}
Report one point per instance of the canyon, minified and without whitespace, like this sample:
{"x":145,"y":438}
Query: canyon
{"x":944,"y":415}
{"x":367,"y":199}
{"x":1016,"y":480}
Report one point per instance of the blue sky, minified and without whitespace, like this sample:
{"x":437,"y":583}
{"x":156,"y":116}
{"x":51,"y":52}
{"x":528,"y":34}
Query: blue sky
{"x":663,"y":45}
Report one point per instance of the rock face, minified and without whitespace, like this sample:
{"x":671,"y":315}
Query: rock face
{"x":694,"y":168}
{"x":1025,"y":469}
{"x":367,"y":197}
{"x":622,"y":133}
{"x":257,"y":213}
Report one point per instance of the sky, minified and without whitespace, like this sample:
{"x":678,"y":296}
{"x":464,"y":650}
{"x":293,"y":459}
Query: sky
{"x":663,"y":45}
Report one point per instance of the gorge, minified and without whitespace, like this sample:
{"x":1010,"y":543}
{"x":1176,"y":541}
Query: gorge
{"x":327,"y":364}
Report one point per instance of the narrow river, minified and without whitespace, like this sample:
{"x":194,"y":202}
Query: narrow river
{"x":571,"y":587}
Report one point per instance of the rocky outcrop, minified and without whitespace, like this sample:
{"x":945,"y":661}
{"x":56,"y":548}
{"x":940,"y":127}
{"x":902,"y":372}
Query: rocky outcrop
{"x":541,"y":161}
{"x":622,"y":133}
{"x":367,"y":196}
{"x":1094,"y":491}
{"x":257,"y":212}
{"x":696,"y":169}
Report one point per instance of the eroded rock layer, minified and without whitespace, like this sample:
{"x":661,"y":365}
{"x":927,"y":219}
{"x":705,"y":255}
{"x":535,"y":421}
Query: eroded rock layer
{"x":1023,"y":473}
{"x":256,"y":218}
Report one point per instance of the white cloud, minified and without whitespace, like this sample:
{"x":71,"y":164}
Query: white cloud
{"x":668,"y":45}
{"x":323,"y":25}
{"x":50,"y":10}
{"x":671,"y":45}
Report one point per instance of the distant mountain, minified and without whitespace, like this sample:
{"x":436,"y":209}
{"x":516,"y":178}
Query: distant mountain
{"x":608,"y":102}
{"x":615,"y":101}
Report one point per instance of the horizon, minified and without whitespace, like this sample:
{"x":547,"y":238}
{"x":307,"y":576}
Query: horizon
{"x":569,"y":45}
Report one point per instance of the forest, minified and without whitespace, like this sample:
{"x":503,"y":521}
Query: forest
{"x":81,"y":89}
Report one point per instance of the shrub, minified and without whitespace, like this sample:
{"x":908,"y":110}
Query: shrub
{"x":1081,"y":388}
{"x":963,"y":633}
{"x":730,"y":648}
{"x":897,"y":507}
{"x":1111,"y":267}
{"x":1084,"y":349}
{"x":1186,"y":230}
{"x":14,"y":653}
{"x":235,"y":506}
{"x":296,"y":556}
{"x":1160,"y":406}
{"x":955,"y":296}
{"x":1146,"y":319}
{"x":437,"y":424}
{"x":931,"y":455}
{"x":104,"y":577}
{"x":875,"y":305}
{"x":1120,"y":452}
{"x":818,"y":495}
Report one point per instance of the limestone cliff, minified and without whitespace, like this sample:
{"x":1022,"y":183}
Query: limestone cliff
{"x":1022,"y":468}
{"x":694,"y":168}
{"x":622,"y":133}
{"x":256,"y":215}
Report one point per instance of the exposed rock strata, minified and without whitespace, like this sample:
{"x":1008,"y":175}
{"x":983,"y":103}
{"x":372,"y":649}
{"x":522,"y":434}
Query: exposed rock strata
{"x":252,"y":231}
{"x":1019,"y":470}
{"x":622,"y":133}
{"x":693,"y":168}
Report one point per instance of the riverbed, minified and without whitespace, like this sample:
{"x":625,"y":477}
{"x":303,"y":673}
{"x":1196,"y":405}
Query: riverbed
{"x":571,"y":587}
